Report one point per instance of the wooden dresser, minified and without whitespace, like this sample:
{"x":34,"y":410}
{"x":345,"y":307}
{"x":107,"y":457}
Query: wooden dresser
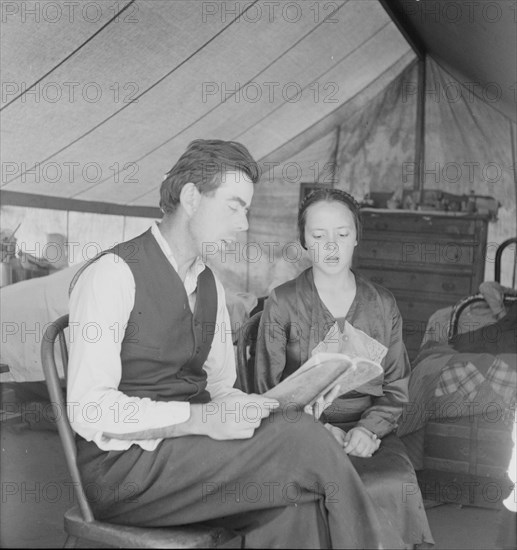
{"x":428,"y":260}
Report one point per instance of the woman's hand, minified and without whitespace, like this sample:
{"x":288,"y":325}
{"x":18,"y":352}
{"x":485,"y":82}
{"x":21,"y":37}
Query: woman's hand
{"x":361,"y":442}
{"x":317,"y":408}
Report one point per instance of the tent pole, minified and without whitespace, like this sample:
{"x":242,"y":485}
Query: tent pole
{"x":402,"y":20}
{"x":400,"y":14}
{"x":418,"y":184}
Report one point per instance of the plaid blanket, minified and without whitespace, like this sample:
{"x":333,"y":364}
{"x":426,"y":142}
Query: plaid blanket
{"x":466,"y":378}
{"x":446,"y":384}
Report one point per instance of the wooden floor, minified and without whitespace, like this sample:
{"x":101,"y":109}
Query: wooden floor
{"x":36,"y":490}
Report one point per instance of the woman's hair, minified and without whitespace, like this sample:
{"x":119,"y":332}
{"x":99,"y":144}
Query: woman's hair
{"x":326,"y":194}
{"x":204,"y":164}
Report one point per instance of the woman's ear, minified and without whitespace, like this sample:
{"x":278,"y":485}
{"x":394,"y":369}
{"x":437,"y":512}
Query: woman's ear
{"x":189,"y":198}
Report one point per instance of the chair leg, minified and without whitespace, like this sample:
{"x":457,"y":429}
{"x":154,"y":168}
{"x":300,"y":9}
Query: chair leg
{"x":70,"y":542}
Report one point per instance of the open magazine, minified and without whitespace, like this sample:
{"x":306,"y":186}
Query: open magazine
{"x":319,"y":374}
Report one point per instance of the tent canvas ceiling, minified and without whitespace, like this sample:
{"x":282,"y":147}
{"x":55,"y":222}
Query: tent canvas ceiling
{"x":166,"y":72}
{"x":475,"y":41}
{"x":97,"y":105}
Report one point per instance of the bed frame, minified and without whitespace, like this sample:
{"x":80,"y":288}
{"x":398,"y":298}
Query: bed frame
{"x":466,"y":461}
{"x":509,"y":297}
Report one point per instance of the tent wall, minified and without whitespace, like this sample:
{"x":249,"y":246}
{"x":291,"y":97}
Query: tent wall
{"x":470,"y":146}
{"x":376,"y":141}
{"x":85,"y":234}
{"x":43,"y":232}
{"x":353,"y":125}
{"x":368,"y":146}
{"x":272,"y":235}
{"x":362,"y":152}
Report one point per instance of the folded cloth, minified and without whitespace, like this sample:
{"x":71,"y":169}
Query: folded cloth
{"x":493,"y":293}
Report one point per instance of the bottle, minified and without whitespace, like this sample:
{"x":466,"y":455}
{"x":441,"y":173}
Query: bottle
{"x":471,"y":203}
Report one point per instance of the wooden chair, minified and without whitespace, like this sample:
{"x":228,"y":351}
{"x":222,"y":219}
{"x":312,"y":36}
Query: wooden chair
{"x":246,"y":343}
{"x":79,"y":522}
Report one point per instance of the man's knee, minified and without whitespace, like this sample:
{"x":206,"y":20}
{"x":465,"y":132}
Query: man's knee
{"x":296,"y":429}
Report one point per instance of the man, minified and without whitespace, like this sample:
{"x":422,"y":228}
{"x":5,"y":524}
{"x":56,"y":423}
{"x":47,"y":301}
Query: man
{"x":163,"y":437}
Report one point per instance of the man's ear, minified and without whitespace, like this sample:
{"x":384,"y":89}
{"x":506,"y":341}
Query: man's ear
{"x":189,"y":198}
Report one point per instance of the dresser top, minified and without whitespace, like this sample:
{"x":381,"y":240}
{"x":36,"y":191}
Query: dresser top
{"x":435,"y":213}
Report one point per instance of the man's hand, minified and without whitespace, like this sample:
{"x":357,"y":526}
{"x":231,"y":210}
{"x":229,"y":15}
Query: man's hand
{"x":361,"y":442}
{"x":317,"y":408}
{"x":234,"y":416}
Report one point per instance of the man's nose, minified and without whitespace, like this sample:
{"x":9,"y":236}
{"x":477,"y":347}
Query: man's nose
{"x":242,"y":224}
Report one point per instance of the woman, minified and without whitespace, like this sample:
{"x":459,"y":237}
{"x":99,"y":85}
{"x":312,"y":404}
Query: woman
{"x":330,"y":308}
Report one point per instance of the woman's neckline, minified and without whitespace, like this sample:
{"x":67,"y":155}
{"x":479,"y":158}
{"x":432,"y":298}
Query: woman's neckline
{"x":351,"y":308}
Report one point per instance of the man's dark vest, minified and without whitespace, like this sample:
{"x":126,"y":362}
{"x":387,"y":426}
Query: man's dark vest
{"x":165,"y":346}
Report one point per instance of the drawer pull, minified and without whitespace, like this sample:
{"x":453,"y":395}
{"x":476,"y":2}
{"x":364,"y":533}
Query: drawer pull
{"x":448,"y":286}
{"x":381,"y":226}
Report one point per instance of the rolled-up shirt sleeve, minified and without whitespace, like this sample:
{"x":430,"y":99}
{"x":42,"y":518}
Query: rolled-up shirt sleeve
{"x":100,"y":306}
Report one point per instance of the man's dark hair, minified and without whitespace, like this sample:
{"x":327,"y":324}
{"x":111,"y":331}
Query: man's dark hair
{"x":204,"y":163}
{"x":328,"y":195}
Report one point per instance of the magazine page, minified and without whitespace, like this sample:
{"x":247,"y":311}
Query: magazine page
{"x":319,"y":374}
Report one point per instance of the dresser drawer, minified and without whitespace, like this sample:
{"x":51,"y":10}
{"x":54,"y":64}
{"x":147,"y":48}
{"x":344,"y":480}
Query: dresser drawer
{"x":451,"y":284}
{"x":412,"y":250}
{"x":428,"y":260}
{"x":418,"y":310}
{"x":417,"y":223}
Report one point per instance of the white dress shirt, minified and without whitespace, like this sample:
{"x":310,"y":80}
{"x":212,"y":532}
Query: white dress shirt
{"x":100,"y":306}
